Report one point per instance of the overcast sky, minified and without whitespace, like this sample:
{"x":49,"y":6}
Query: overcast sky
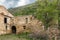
{"x":15,"y":3}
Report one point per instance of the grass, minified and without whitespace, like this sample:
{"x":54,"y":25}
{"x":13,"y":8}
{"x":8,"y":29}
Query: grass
{"x":22,"y":36}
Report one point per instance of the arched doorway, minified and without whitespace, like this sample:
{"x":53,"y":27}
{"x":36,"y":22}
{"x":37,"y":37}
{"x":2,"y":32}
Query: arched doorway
{"x":13,"y":29}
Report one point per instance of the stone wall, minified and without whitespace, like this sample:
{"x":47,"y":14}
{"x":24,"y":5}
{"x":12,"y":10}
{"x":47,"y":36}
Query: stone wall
{"x":26,"y":25}
{"x":4,"y":16}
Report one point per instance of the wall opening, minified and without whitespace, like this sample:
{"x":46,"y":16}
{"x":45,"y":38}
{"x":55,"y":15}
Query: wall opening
{"x":5,"y":20}
{"x":13,"y":29}
{"x":24,"y":27}
{"x":6,"y":27}
{"x":26,"y":20}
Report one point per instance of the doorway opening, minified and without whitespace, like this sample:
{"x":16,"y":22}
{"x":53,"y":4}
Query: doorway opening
{"x":13,"y":29}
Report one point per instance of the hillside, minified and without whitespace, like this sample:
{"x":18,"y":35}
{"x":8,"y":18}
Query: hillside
{"x":43,"y":10}
{"x":23,"y":10}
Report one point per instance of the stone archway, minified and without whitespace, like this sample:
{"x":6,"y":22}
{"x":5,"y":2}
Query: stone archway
{"x":13,"y":29}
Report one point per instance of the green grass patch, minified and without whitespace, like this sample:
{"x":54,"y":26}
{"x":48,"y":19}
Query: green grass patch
{"x":22,"y":36}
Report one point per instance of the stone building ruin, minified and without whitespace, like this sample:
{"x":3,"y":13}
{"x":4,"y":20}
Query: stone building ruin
{"x":17,"y":24}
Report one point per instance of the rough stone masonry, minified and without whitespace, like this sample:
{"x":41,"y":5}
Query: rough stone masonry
{"x":18,"y":24}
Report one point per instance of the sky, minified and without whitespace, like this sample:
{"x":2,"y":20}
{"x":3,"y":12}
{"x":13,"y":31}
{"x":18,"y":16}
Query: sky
{"x":15,"y":3}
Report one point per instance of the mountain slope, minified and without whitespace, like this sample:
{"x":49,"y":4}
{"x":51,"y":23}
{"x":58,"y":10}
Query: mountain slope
{"x":22,"y":10}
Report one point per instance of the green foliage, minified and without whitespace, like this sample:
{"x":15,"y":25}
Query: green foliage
{"x":44,"y":10}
